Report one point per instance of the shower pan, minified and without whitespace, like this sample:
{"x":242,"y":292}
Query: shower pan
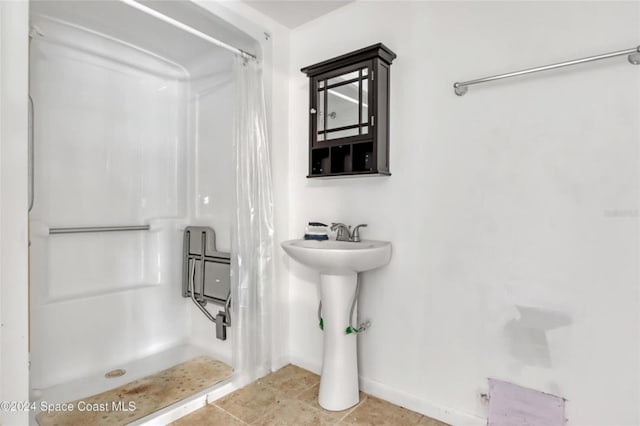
{"x":131,"y":143}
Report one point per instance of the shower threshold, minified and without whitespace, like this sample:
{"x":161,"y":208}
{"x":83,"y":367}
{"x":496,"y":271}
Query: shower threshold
{"x":160,"y":383}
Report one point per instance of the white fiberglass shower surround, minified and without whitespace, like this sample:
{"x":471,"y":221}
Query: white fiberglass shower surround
{"x":132,"y":126}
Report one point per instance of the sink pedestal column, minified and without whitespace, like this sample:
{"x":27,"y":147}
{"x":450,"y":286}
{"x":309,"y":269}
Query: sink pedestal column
{"x":339,"y":381}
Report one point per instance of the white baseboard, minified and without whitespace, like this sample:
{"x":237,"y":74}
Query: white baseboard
{"x":414,"y":403}
{"x":302,"y":362}
{"x":411,"y":402}
{"x":277,"y":364}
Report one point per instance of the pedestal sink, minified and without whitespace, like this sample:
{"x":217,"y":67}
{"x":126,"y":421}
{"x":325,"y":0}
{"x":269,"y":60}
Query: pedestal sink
{"x":338,"y":263}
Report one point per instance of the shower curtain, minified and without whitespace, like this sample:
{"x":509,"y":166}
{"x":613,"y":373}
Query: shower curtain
{"x":252,"y":236}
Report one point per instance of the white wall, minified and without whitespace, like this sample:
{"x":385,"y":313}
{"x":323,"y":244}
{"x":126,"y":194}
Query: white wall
{"x":521,"y":194}
{"x":14,"y":355}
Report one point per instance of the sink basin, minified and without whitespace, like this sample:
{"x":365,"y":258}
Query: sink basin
{"x":339,"y":263}
{"x":339,"y":257}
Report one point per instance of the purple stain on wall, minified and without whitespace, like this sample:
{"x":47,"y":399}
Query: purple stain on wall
{"x":513,"y":405}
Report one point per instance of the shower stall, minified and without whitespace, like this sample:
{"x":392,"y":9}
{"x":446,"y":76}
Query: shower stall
{"x":132,"y":141}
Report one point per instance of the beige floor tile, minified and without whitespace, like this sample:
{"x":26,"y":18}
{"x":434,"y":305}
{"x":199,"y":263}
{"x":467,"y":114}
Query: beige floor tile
{"x":251,"y":402}
{"x":291,"y":380}
{"x":310,"y":396}
{"x":428,"y":421}
{"x":290,"y":397}
{"x":295,"y":412}
{"x":210,"y":415}
{"x":374,"y":411}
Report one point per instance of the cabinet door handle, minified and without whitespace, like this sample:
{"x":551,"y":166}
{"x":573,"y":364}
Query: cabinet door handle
{"x":373,"y":121}
{"x":312,"y":111}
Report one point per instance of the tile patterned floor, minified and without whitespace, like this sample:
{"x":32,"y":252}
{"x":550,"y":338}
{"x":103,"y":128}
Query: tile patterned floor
{"x":289,"y":397}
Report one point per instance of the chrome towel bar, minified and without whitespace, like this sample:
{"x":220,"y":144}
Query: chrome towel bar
{"x":84,"y":229}
{"x":461,"y":87}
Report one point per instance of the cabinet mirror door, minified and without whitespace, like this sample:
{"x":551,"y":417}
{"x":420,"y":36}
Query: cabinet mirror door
{"x":343,"y":105}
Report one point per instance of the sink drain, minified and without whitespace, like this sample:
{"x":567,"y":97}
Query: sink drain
{"x":115,"y":373}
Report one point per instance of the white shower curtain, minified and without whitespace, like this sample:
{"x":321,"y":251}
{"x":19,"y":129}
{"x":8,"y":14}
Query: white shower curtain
{"x":252,"y":237}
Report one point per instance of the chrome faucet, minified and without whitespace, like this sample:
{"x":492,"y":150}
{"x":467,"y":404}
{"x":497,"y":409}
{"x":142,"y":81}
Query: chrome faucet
{"x":345,"y":233}
{"x":355,"y":235}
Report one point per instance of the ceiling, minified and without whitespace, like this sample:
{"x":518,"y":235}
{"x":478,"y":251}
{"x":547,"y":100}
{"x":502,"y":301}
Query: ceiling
{"x":293,"y":13}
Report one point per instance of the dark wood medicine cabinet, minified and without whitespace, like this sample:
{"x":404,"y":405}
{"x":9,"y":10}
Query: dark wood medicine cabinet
{"x":349,"y":113}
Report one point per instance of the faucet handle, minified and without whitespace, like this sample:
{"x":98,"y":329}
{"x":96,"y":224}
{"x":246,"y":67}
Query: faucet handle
{"x":355,"y":235}
{"x":344,"y":231}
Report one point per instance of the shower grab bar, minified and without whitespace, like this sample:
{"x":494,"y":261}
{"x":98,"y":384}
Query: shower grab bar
{"x":31,"y":154}
{"x":633,"y":56}
{"x":85,"y":229}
